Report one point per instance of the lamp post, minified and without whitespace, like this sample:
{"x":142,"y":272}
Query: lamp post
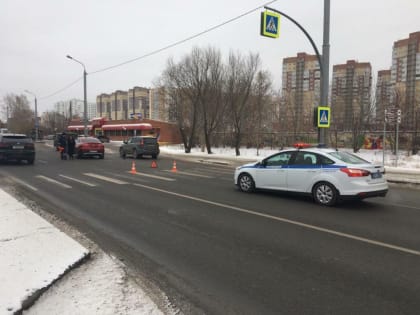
{"x":84,"y":94}
{"x":36,"y":115}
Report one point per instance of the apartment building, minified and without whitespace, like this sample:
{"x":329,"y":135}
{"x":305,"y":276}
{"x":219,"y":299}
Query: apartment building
{"x":74,"y":107}
{"x":405,"y":78}
{"x":300,"y":90}
{"x":350,"y":93}
{"x":159,"y":103}
{"x":123,"y":105}
{"x":383,"y":94}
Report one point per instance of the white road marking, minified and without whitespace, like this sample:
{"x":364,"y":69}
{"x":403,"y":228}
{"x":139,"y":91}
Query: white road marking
{"x":53,"y":181}
{"x":78,"y":180}
{"x":154,"y":176}
{"x":304,"y":225}
{"x":107,"y":179}
{"x":23,"y":183}
{"x":190,"y":174}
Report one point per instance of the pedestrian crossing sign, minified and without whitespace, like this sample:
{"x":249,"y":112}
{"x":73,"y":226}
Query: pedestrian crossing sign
{"x":323,"y":117}
{"x":270,"y":24}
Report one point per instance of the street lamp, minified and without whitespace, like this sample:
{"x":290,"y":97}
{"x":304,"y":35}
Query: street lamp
{"x":36,"y":115}
{"x":84,"y":92}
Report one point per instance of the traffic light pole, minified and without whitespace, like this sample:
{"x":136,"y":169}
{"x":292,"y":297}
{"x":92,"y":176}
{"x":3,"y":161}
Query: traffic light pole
{"x":324,"y":60}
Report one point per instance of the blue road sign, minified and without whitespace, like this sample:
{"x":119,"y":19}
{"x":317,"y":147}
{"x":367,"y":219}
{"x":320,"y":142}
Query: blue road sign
{"x":323,"y":117}
{"x":270,"y":24}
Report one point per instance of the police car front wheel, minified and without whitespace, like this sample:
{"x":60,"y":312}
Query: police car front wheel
{"x":246,"y":183}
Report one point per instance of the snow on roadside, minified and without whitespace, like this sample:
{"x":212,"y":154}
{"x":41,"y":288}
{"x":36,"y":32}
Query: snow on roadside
{"x":405,"y":160}
{"x":100,"y":286}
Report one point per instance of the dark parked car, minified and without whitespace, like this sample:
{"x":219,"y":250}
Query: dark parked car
{"x":16,"y":147}
{"x":89,"y":146}
{"x":139,"y":146}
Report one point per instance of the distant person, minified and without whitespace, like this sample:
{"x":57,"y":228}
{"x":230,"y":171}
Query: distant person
{"x":63,"y":147}
{"x":71,"y":144}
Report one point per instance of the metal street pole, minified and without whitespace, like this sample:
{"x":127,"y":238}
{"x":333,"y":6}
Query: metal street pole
{"x":84,"y":95}
{"x":384,"y":139}
{"x":325,"y":67}
{"x":396,"y":138}
{"x":85,"y":119}
{"x":324,"y":60}
{"x":36,"y":115}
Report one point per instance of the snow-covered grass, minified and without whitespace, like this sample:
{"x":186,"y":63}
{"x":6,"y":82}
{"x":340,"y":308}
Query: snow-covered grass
{"x":405,"y":160}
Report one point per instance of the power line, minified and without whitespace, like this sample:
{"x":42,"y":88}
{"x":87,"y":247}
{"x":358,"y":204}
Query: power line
{"x":163,"y":48}
{"x":61,"y":90}
{"x":183,"y":40}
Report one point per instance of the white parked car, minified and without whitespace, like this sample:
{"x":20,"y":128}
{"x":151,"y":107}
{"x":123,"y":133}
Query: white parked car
{"x":328,"y":175}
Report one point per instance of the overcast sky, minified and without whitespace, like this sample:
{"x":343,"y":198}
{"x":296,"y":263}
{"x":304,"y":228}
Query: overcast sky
{"x":36,"y":36}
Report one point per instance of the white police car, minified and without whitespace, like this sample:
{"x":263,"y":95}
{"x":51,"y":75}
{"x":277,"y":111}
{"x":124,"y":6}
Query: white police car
{"x":328,"y":175}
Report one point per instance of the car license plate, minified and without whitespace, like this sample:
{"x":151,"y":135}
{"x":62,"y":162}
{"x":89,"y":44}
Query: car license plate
{"x":18,"y":147}
{"x":376,"y":175}
{"x":93,"y":151}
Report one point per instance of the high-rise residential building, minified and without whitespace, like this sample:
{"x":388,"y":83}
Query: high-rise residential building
{"x":405,"y":77}
{"x":75,"y":107}
{"x":350,"y":94}
{"x":383,"y":94}
{"x":300,"y":90}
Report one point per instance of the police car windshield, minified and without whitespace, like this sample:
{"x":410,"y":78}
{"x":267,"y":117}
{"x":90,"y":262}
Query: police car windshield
{"x":348,"y":157}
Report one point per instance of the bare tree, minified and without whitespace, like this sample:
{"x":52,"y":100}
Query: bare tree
{"x":21,"y":118}
{"x":239,"y":78}
{"x":184,"y":91}
{"x":289,"y":115}
{"x":261,"y":103}
{"x":362,"y":114}
{"x":211,"y":100}
{"x":53,"y":121}
{"x":194,"y":86}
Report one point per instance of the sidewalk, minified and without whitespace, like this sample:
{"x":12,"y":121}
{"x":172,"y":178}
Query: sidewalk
{"x":35,"y":254}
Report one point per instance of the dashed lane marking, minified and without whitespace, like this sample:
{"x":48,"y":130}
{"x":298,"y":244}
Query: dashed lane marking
{"x":48,"y":179}
{"x":78,"y":180}
{"x":190,"y":174}
{"x":107,"y":179}
{"x":154,"y":176}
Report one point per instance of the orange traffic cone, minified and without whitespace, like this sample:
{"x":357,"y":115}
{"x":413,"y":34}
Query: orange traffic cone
{"x":174,"y":167}
{"x":133,"y":168}
{"x":154,"y":164}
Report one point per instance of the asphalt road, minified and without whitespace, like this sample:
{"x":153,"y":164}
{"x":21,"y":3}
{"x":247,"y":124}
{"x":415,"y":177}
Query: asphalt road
{"x":215,"y":250}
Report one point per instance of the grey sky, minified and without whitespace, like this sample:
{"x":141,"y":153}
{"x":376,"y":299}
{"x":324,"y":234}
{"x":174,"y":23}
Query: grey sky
{"x":35,"y":37}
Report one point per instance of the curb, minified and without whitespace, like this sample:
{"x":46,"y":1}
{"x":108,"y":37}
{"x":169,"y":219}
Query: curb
{"x":30,"y":300}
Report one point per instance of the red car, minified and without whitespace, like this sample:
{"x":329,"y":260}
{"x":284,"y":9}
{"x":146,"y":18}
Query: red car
{"x":89,"y":146}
